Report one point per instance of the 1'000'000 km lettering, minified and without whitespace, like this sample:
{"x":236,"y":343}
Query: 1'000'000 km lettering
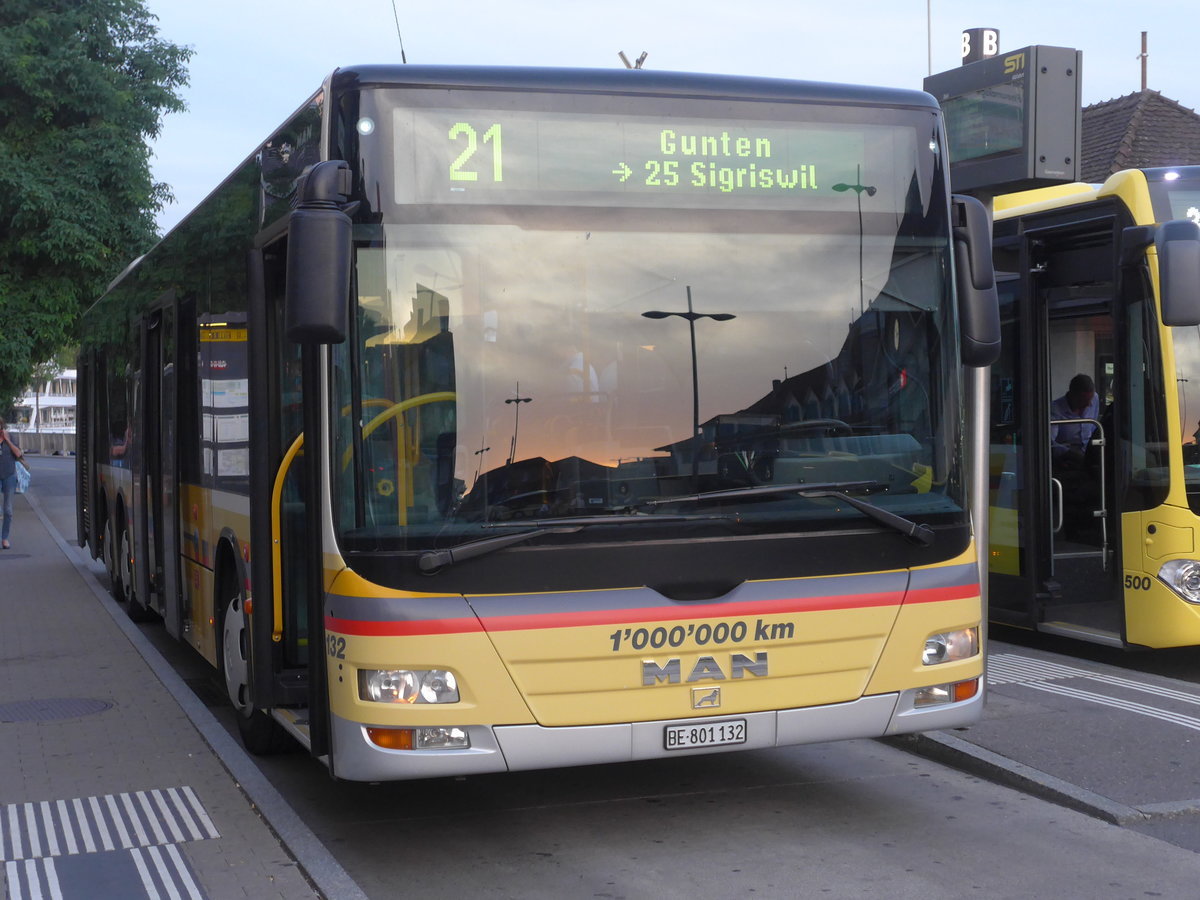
{"x":702,"y":634}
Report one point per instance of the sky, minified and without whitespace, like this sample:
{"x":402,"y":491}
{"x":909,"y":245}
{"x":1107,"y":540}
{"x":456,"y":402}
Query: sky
{"x":254,"y":63}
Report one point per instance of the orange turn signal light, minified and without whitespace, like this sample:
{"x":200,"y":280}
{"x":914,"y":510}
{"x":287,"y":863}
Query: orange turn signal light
{"x":965,"y":690}
{"x":391,"y":738}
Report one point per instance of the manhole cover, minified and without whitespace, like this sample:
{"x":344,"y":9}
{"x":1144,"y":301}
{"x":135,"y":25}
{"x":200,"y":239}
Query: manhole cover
{"x":4,"y":556}
{"x":47,"y":710}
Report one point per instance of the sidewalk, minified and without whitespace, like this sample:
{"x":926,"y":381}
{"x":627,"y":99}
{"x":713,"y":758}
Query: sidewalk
{"x":115,"y":780}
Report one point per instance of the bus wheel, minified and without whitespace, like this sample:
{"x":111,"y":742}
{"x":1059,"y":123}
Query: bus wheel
{"x":260,"y":734}
{"x":137,"y":612}
{"x":109,"y":552}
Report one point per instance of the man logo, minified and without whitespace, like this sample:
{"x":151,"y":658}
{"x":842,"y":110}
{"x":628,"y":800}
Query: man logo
{"x":702,"y":699}
{"x":706,"y":668}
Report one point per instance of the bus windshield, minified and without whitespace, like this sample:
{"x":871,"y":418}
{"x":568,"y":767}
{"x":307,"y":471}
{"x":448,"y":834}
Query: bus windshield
{"x":567,"y":314}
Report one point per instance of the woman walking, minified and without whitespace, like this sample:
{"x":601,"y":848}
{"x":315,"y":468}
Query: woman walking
{"x":9,"y":454}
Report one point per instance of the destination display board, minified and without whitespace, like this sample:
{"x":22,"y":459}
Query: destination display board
{"x":489,"y":156}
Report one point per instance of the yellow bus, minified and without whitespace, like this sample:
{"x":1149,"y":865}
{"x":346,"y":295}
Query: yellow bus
{"x":437,"y":429}
{"x":1095,"y":461}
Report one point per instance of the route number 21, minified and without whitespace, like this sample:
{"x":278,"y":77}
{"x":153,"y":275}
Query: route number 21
{"x":463,"y":131}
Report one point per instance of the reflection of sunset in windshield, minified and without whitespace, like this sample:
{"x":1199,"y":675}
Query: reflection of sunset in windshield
{"x":562,"y":316}
{"x":554,"y":372}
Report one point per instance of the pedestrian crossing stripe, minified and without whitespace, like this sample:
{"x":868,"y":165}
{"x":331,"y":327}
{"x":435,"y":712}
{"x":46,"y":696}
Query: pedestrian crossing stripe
{"x":1041,"y":675}
{"x":111,"y":847}
{"x":122,"y":821}
{"x":143,"y":873}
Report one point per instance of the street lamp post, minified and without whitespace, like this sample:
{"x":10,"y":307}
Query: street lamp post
{"x":858,"y":192}
{"x":516,"y":401}
{"x":479,"y":464}
{"x":691,"y":317}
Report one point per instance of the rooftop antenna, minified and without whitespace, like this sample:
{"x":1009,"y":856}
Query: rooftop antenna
{"x":929,"y":33}
{"x":1143,"y":56}
{"x":636,"y":64}
{"x":396,"y":16}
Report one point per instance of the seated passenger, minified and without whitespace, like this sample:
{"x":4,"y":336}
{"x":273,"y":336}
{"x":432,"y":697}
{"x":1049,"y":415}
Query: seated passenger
{"x":1069,"y":444}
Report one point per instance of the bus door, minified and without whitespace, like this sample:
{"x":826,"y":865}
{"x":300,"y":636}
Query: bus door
{"x":1053,"y":561}
{"x":157,"y":533}
{"x":283,"y":660}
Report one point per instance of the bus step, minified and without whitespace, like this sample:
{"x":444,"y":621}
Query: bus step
{"x":295,"y":723}
{"x":1082,"y":632}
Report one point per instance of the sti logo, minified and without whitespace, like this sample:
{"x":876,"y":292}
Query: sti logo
{"x":1014,"y":63}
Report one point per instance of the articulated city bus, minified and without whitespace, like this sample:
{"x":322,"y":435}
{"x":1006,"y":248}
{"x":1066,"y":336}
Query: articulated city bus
{"x":492,"y":419}
{"x":1099,"y":540}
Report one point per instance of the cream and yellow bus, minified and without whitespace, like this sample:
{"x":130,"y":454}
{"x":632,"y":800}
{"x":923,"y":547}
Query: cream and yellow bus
{"x":439,"y":428}
{"x":1095,"y":493}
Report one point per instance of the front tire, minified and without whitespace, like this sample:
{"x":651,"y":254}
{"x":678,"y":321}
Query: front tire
{"x":260,"y":734}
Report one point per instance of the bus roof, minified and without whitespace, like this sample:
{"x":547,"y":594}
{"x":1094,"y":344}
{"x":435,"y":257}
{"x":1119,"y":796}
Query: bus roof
{"x":1128,"y":185}
{"x":628,"y":81}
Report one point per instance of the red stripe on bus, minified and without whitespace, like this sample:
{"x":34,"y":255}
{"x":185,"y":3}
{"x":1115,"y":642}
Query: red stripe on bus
{"x":401,"y":628}
{"x":535,"y":621}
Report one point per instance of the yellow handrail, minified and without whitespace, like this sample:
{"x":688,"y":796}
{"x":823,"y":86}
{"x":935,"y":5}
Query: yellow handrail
{"x":276,"y":549}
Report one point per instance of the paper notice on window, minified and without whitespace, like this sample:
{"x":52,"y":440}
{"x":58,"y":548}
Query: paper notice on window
{"x":233,"y":429}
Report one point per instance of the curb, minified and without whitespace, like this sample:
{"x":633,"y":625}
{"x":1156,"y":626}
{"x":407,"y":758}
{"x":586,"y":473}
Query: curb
{"x":975,"y":760}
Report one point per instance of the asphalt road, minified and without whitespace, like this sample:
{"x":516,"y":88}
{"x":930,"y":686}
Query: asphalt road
{"x":854,"y":819}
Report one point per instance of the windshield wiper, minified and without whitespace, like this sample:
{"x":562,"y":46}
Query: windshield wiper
{"x":922,"y":534}
{"x":617,"y":519}
{"x":432,"y":560}
{"x":763,"y":490}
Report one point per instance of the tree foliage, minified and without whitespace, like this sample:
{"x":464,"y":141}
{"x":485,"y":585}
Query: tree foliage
{"x":84,"y":85}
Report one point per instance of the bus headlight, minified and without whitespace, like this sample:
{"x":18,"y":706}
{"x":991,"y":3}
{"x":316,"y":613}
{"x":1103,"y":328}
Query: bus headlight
{"x":1183,"y":577}
{"x":407,"y":685}
{"x":948,"y":646}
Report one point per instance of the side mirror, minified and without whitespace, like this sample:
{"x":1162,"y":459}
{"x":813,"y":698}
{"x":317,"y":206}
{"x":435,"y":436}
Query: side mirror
{"x":978,"y":303}
{"x":1178,"y":246}
{"x":319,"y":255}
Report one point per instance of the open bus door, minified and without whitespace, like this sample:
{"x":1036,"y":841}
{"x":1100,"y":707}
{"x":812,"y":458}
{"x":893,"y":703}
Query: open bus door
{"x":1076,"y":552}
{"x":1055,"y":554}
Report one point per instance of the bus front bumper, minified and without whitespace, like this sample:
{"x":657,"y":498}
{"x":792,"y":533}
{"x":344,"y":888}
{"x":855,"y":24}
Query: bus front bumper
{"x":509,"y":748}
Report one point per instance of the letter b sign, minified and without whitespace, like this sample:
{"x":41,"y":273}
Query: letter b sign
{"x":979,"y":43}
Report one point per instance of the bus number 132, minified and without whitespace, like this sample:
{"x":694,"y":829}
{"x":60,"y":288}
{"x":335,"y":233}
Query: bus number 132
{"x":463,"y":131}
